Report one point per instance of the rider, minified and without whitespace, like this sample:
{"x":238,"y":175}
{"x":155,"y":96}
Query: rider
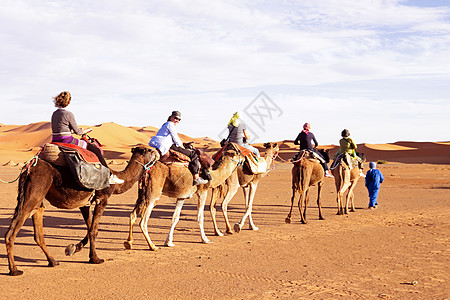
{"x":347,"y":145}
{"x":167,"y":138}
{"x":63,"y":124}
{"x":238,"y":133}
{"x":305,"y":138}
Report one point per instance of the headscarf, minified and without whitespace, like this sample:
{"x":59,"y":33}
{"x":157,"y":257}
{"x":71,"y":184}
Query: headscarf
{"x":372,"y":165}
{"x":235,"y":120}
{"x":306,"y":128}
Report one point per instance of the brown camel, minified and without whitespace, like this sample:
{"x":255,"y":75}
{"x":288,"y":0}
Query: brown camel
{"x":345,"y":179}
{"x":242,"y":177}
{"x":176,"y":182}
{"x":56,"y":184}
{"x":306,"y":173}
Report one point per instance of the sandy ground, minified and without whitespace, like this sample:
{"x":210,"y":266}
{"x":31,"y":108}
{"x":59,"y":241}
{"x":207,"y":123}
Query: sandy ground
{"x":398,"y":251}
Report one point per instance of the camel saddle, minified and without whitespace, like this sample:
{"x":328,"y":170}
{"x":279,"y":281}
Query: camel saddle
{"x":308,"y":154}
{"x":83,"y":164}
{"x":346,"y":158}
{"x":256,"y":164}
{"x":175,"y":157}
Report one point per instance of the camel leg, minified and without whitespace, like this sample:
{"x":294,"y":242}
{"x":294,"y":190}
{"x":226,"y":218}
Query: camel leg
{"x":252,"y":225}
{"x":249,"y":194}
{"x":319,"y":203}
{"x":10,"y":236}
{"x":233,"y":186}
{"x":175,"y":219}
{"x":29,"y":199}
{"x":306,"y":204}
{"x":212,"y":210}
{"x":144,"y":225}
{"x":39,"y":235}
{"x":350,"y":197}
{"x":133,"y":217}
{"x":93,"y":232}
{"x":200,"y":214}
{"x":288,"y":218}
{"x":300,"y":206}
{"x":87,"y":216}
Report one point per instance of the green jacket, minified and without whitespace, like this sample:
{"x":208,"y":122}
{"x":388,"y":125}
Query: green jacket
{"x":347,"y":146}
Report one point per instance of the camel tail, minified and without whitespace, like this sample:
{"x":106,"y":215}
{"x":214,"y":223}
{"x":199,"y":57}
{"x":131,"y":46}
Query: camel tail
{"x":221,"y":190}
{"x":23,"y":179}
{"x":141,"y":204}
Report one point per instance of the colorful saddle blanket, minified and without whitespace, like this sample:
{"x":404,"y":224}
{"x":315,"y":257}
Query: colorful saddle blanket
{"x":83,"y":164}
{"x":256,"y":164}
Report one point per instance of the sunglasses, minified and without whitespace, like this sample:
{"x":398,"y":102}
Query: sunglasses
{"x":178,"y":119}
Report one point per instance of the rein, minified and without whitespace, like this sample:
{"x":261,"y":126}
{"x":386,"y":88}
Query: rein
{"x":28,"y":164}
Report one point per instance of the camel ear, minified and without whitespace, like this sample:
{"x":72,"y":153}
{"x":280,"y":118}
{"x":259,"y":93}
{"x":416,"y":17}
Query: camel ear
{"x":266,"y":145}
{"x":274,"y":145}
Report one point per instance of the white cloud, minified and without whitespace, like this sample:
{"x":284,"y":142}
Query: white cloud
{"x":208,"y":55}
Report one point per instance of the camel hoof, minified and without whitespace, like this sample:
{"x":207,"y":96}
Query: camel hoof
{"x":70,"y":250}
{"x":128,"y":245}
{"x":229,"y":232}
{"x":218,"y":233}
{"x":321,"y":218}
{"x":254,"y":228}
{"x":53,"y":263}
{"x":288,"y":220}
{"x":96,"y":261}
{"x":207,"y":242}
{"x":15,"y":273}
{"x":237,"y":228}
{"x":169,"y":244}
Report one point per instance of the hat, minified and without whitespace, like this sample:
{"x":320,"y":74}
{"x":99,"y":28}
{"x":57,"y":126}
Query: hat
{"x":345,"y":133}
{"x":176,"y":113}
{"x":372,"y":165}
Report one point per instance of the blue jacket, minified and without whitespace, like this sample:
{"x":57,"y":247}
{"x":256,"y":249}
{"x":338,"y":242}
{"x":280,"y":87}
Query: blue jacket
{"x":373,"y":179}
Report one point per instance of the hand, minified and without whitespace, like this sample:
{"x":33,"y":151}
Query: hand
{"x":87,"y":130}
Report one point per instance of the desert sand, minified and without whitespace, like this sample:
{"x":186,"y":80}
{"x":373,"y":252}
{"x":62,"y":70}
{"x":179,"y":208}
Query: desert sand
{"x":398,"y":251}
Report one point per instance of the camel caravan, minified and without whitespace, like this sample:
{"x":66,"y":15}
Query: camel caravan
{"x":71,"y":173}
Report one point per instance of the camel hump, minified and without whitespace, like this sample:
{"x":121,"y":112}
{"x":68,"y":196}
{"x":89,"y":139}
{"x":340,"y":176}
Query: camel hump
{"x":52,"y":154}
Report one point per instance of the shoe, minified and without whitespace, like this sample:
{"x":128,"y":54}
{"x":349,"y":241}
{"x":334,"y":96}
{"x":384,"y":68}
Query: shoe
{"x":361,"y":174}
{"x":113,"y":179}
{"x":372,"y":207}
{"x":328,"y":174}
{"x":200,"y":180}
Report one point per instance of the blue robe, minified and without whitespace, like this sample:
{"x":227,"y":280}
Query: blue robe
{"x":373,"y":180}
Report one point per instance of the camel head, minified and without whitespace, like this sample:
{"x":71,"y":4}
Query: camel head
{"x":149,"y":154}
{"x":272,"y":148}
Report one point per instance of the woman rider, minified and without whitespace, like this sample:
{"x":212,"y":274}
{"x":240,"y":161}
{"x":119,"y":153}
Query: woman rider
{"x":237,"y":133}
{"x":63,"y":124}
{"x":167,"y":138}
{"x":305,"y":139}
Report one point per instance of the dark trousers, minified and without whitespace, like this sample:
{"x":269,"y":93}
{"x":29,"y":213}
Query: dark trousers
{"x":194,"y":165}
{"x":324,"y":165}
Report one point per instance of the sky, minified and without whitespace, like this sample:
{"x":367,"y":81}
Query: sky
{"x":379,"y":68}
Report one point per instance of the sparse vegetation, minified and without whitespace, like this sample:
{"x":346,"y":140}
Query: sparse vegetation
{"x":381,"y":162}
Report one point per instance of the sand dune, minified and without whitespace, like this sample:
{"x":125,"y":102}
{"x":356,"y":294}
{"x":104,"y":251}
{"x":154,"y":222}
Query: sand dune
{"x":20,"y":142}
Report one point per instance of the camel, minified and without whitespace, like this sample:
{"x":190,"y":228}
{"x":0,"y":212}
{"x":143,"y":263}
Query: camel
{"x":345,"y":179}
{"x":306,"y":173}
{"x":244,"y":178}
{"x":176,"y":182}
{"x":56,"y":184}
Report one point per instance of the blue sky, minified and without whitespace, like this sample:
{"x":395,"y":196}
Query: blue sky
{"x":378,"y":68}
